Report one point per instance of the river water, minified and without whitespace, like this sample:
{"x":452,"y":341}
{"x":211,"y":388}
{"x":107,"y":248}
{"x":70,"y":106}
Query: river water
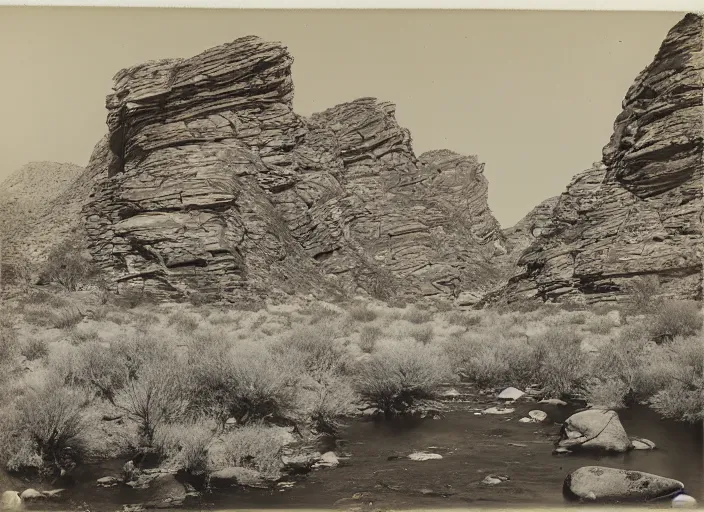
{"x":375,"y":474}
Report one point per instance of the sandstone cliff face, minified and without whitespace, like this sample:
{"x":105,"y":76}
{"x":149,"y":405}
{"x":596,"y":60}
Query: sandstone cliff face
{"x":639,"y":211}
{"x":209,"y":182}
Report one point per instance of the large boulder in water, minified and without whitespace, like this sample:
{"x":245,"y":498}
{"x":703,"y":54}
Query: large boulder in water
{"x":600,"y":484}
{"x":10,"y":500}
{"x":595,"y":429}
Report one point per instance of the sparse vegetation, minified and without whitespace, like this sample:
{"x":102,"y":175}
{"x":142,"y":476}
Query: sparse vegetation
{"x":67,"y":265}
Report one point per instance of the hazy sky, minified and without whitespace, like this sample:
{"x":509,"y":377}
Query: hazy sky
{"x":533,"y":94}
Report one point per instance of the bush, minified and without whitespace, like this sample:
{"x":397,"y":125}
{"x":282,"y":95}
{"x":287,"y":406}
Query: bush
{"x":67,"y":266}
{"x":367,"y":338}
{"x":319,"y":348}
{"x":643,"y":293}
{"x":184,"y":323}
{"x":500,"y":361}
{"x":249,"y":383}
{"x":601,"y":325}
{"x":676,"y":318}
{"x":328,"y":403}
{"x":680,"y":370}
{"x":362,"y":313}
{"x":8,"y":339}
{"x":44,"y":429}
{"x":417,"y":316}
{"x":562,"y":366}
{"x":607,"y":393}
{"x":186,"y":445}
{"x":402,"y":377}
{"x":156,"y":396}
{"x":422,"y":333}
{"x":35,"y":348}
{"x":253,"y":446}
{"x":464,"y":319}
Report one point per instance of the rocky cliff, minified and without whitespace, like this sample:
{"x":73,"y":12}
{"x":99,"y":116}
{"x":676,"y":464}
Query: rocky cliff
{"x":208,"y":181}
{"x":639,"y":211}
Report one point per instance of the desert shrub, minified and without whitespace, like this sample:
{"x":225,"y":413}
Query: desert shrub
{"x":643,"y":294}
{"x":679,"y":367}
{"x":8,"y":338}
{"x":247,"y":382}
{"x":417,"y":316}
{"x":155,"y":396}
{"x":421,"y":333}
{"x":46,"y":316}
{"x":18,"y":273}
{"x":319,"y":348}
{"x":402,"y":377}
{"x":466,"y":320}
{"x":675,"y":318}
{"x":367,"y":338}
{"x":500,"y":361}
{"x":131,"y":298}
{"x":561,"y":365}
{"x":34,"y":348}
{"x":67,"y":265}
{"x":578,"y":318}
{"x":607,"y":393}
{"x":320,"y":313}
{"x":362,"y":313}
{"x":184,"y":322}
{"x":601,"y":324}
{"x":255,"y":446}
{"x":328,"y":402}
{"x":185,"y":445}
{"x":43,"y":429}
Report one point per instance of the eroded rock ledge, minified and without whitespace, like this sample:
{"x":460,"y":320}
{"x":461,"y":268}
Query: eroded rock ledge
{"x":209,"y":182}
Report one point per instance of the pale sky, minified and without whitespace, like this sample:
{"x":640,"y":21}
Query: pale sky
{"x":533,"y":94}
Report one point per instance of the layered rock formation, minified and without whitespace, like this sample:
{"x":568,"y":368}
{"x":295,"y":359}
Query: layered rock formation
{"x":639,"y":211}
{"x":209,"y":182}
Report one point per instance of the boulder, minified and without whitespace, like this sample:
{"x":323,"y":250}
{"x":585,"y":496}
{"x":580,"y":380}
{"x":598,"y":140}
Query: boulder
{"x":32,"y":495}
{"x":108,"y":481}
{"x":552,"y":401}
{"x":237,"y":476}
{"x":602,"y":484}
{"x":10,"y":500}
{"x":511,"y":393}
{"x":301,"y":463}
{"x":327,"y":460}
{"x":538,"y":416}
{"x":166,"y":491}
{"x":595,"y":429}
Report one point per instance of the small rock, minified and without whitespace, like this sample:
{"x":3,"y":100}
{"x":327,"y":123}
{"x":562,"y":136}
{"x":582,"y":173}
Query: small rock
{"x":497,"y":410}
{"x":642,"y":444}
{"x":684,"y":501}
{"x":526,"y":420}
{"x":327,"y":460}
{"x":450,"y":393}
{"x":518,"y":445}
{"x":511,"y":394}
{"x":231,"y":422}
{"x":10,"y":500}
{"x":538,"y":416}
{"x":494,"y":479}
{"x":561,"y":451}
{"x":108,"y":481}
{"x":31,"y":495}
{"x":552,"y":401}
{"x":232,"y":476}
{"x":423,"y":456}
{"x":54,"y":493}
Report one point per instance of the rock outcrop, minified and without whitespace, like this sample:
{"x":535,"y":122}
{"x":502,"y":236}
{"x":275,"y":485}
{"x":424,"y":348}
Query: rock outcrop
{"x":209,"y":182}
{"x":639,"y":211}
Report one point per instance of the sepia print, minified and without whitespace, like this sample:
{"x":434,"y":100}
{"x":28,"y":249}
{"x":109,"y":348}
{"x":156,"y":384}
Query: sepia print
{"x":350,"y":260}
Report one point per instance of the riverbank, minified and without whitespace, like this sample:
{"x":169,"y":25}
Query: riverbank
{"x":194,"y":391}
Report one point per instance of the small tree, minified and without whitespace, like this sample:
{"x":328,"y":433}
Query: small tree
{"x":67,"y":266}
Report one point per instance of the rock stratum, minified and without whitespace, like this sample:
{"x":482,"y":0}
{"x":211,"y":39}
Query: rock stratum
{"x":639,"y":211}
{"x":209,"y":182}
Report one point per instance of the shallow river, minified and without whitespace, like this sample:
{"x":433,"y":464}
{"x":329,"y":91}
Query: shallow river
{"x":472,"y":447}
